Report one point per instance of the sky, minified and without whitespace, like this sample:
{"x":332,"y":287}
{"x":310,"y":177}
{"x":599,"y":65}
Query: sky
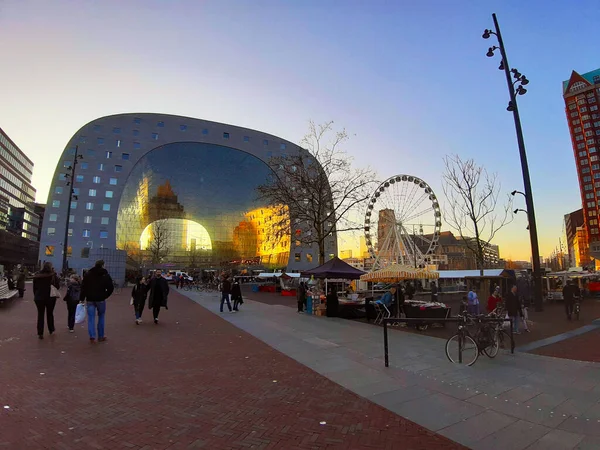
{"x":408,"y":80}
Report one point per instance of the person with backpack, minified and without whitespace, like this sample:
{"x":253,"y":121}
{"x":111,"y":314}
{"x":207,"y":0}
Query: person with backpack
{"x":72,"y":300}
{"x":97,"y":286}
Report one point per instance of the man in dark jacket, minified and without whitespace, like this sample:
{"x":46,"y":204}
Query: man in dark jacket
{"x":513,"y":307}
{"x":97,"y":286}
{"x":225,"y":292}
{"x":570,"y":293}
{"x":159,"y":291}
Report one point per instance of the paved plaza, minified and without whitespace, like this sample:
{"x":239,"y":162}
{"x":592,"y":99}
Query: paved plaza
{"x":193,"y":381}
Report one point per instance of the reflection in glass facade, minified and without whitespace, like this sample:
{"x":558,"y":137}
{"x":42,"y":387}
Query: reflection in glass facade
{"x":195,"y":205}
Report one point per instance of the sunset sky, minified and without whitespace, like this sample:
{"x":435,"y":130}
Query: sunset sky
{"x":409,"y":80}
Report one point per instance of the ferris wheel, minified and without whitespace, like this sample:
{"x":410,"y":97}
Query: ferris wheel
{"x":402,"y":222}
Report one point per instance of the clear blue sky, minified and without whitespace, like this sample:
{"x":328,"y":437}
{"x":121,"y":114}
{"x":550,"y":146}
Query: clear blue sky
{"x":409,"y":79}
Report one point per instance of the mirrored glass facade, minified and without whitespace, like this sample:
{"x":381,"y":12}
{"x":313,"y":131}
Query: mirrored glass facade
{"x":195,"y":205}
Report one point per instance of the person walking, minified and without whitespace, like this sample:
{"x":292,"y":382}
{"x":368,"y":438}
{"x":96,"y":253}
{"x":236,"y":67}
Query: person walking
{"x":301,"y":296}
{"x":97,"y":286}
{"x":332,"y":303}
{"x":512,"y":304}
{"x":159,"y":291}
{"x":139,"y":294}
{"x":21,"y":282}
{"x":236,"y":295}
{"x":473,"y":301}
{"x":570,"y":292}
{"x":45,"y":301}
{"x":494,"y":300}
{"x":72,"y":299}
{"x":225,"y":292}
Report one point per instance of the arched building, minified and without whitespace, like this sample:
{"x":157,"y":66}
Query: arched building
{"x":170,"y":190}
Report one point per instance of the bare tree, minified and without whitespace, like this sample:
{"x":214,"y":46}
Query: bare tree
{"x":319,"y":187}
{"x":159,"y":240}
{"x":472,"y":207}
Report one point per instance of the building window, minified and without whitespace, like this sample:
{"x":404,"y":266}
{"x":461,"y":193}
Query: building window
{"x":583,"y":153}
{"x":116,"y":130}
{"x":108,"y":194}
{"x":73,"y":205}
{"x":595,"y":166}
{"x":205,"y":131}
{"x":246,"y":138}
{"x":96,"y":180}
{"x":136,"y":132}
{"x":577,"y":130}
{"x":67,"y":164}
{"x":594,"y":108}
{"x":58,"y":190}
{"x":298,"y":243}
{"x":225,"y":135}
{"x":118,"y":142}
{"x":101,"y":167}
{"x":113,"y":181}
{"x":594,"y":158}
{"x":309,"y":257}
{"x":282,"y":147}
{"x":103,"y":234}
{"x":86,"y":233}
{"x":137,"y":121}
{"x":91,"y":152}
{"x":106,"y":207}
{"x":592,"y":150}
{"x":61,"y":177}
{"x":79,"y":178}
{"x":297,"y":257}
{"x":51,"y":232}
{"x":97,"y":128}
{"x":104,"y":221}
{"x":587,"y":125}
{"x":588,"y":187}
{"x":589,"y":133}
{"x":53,"y":217}
{"x":125,"y":156}
{"x":92,"y":192}
{"x":84,"y":165}
{"x":137,"y":145}
{"x":155,"y":136}
{"x":100,"y":141}
{"x":87,"y":219}
{"x":182,"y":127}
{"x":108,"y":156}
{"x":160,"y":124}
{"x":71,"y":218}
{"x":118,"y":168}
{"x":583,"y":162}
{"x":56,"y":203}
{"x":265,"y":142}
{"x":89,"y":206}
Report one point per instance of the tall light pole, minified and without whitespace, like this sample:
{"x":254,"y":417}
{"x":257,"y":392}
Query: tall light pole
{"x":70,"y":177}
{"x":521,"y":81}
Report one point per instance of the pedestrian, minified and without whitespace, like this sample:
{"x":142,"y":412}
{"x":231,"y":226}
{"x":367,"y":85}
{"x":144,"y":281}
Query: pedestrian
{"x":301,"y":296}
{"x":21,"y":283}
{"x":138,"y":295}
{"x":72,"y":300}
{"x":434,"y":292}
{"x":512,"y":304}
{"x":570,"y":293}
{"x":473,"y":302}
{"x":225,"y":292}
{"x":236,"y":295}
{"x":159,"y":292}
{"x":44,"y":298}
{"x":97,"y":286}
{"x":494,"y":301}
{"x":332,"y":303}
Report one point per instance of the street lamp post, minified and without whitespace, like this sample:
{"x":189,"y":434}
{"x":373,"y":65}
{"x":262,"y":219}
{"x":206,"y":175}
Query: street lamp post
{"x":521,"y":80}
{"x":70,"y":182}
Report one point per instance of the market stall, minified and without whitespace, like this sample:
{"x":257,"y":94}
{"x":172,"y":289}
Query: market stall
{"x":337,"y":271}
{"x":412,"y":308}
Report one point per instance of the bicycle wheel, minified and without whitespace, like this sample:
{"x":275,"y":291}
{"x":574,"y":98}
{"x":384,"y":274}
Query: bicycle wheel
{"x":470,"y":351}
{"x":492,"y":350}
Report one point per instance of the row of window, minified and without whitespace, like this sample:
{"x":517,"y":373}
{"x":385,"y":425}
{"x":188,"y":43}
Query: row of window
{"x":14,"y":156}
{"x":89,"y":205}
{"x":86,"y":233}
{"x":91,"y":192}
{"x":86,"y":219}
{"x":96,"y":179}
{"x":298,"y":257}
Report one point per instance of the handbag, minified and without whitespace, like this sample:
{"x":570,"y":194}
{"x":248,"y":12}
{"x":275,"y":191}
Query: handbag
{"x":80,"y":313}
{"x":54,"y":293}
{"x":131,"y":302}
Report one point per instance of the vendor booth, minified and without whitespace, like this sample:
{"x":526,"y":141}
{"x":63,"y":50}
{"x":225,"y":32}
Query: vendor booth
{"x":333,"y":271}
{"x":412,"y":308}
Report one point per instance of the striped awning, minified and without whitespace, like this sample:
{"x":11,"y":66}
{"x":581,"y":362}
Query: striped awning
{"x":397,"y":272}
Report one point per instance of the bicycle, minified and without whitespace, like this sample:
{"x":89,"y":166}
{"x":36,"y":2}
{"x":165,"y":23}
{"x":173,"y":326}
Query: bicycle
{"x":461,"y":348}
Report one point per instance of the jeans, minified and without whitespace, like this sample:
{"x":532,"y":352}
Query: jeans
{"x":236,"y":304}
{"x":156,"y":309}
{"x":45,"y":306}
{"x":515,"y":323}
{"x":91,"y":316}
{"x":71,"y":309}
{"x":569,"y":304}
{"x":225,"y":298}
{"x":138,"y":307}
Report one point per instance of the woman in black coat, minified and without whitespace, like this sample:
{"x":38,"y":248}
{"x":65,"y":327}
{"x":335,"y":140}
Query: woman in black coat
{"x":42,"y":297}
{"x":139,"y":294}
{"x":159,"y":291}
{"x":333,"y":303}
{"x":236,"y":295}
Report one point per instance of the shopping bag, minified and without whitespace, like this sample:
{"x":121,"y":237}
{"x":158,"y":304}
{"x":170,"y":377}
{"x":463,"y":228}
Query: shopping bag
{"x":80,"y":313}
{"x":506,"y":323}
{"x":131,"y":301}
{"x":54,"y":293}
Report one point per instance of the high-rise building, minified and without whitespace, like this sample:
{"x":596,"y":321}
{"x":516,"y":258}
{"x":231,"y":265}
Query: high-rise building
{"x":19,"y":224}
{"x":582,"y":99}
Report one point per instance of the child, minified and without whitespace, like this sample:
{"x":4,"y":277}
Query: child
{"x":72,"y":299}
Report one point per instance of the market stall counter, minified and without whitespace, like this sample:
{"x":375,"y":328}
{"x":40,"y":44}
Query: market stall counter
{"x":415,"y":309}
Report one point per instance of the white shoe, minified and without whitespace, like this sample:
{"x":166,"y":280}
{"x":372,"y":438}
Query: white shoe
{"x":231,"y":312}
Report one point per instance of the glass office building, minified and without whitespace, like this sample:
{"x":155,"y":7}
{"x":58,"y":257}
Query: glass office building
{"x":172,"y":192}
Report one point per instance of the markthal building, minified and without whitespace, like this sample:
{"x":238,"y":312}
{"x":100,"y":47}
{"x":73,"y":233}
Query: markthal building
{"x":154,"y":190}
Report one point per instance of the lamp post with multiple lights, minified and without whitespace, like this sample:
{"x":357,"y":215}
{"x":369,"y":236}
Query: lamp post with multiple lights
{"x":515,"y":88}
{"x":70,"y":177}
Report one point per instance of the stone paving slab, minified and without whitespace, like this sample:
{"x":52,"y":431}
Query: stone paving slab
{"x":533,"y":395}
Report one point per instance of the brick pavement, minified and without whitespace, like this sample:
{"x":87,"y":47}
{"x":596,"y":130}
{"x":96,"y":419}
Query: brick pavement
{"x":194,"y":381}
{"x":583,"y":348}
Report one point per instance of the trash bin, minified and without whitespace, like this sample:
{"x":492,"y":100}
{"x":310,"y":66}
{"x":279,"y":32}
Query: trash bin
{"x":309,"y":305}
